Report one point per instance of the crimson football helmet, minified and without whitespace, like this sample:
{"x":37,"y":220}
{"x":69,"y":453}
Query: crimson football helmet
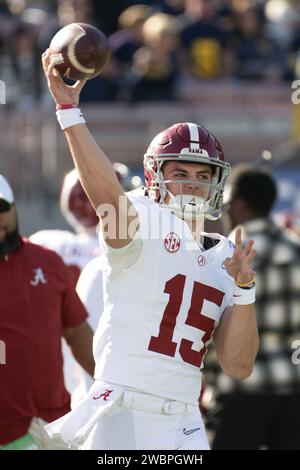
{"x":75,"y":205}
{"x":186,"y":142}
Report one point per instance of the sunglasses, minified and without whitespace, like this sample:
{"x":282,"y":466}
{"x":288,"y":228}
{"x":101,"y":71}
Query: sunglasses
{"x":4,"y":206}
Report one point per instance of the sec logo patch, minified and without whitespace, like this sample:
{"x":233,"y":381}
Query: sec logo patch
{"x":172,"y":242}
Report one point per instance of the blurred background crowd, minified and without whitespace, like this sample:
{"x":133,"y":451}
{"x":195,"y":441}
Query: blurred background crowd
{"x":155,"y":44}
{"x":228,"y":64}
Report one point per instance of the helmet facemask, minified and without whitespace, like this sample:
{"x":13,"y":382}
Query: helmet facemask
{"x":187,"y":206}
{"x":186,"y":142}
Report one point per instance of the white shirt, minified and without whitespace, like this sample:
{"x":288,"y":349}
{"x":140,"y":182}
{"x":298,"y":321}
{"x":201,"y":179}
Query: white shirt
{"x":90,"y":290}
{"x":75,"y":249}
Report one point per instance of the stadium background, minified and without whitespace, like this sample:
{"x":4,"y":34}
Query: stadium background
{"x":251,"y":113}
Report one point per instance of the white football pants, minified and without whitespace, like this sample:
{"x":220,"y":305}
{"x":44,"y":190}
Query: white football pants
{"x":144,"y":422}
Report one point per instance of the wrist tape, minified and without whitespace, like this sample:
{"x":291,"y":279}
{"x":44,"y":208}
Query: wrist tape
{"x":242,"y":296}
{"x":69,"y":117}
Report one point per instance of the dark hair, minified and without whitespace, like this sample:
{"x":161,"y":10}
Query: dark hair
{"x":257,"y":187}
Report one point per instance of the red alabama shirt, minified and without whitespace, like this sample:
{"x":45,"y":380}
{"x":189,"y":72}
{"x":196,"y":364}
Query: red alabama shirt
{"x":37,"y":301}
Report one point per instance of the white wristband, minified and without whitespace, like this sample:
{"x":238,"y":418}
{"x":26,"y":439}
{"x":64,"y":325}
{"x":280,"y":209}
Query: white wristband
{"x":69,"y":117}
{"x":243,"y":296}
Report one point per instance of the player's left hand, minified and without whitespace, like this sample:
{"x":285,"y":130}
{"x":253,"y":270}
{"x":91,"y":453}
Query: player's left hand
{"x":239,"y":266}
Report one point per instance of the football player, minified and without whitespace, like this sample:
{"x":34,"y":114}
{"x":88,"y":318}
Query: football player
{"x":168,"y":287}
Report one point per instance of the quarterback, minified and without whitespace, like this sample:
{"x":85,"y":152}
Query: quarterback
{"x":169,"y":288}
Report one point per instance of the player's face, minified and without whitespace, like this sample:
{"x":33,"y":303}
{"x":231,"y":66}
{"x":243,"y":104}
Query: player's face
{"x":81,"y":207}
{"x":194,"y":178}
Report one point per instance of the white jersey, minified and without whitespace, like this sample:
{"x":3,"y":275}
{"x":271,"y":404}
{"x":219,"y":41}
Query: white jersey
{"x":163,"y":297}
{"x":90,"y":290}
{"x":75,"y":249}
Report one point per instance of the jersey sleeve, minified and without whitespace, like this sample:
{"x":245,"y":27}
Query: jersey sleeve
{"x":116,"y":260}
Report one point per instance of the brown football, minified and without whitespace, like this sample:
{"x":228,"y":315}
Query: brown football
{"x":80,"y":51}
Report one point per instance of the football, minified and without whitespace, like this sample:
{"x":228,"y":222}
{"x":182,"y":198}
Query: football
{"x":79,"y":51}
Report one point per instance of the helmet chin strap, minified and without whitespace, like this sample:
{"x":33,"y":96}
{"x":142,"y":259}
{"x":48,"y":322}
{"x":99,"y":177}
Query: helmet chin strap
{"x":187,"y":206}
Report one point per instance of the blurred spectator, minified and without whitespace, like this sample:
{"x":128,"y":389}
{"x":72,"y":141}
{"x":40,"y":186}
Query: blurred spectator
{"x":20,"y":69}
{"x":256,"y":56}
{"x":111,"y":15}
{"x":292,"y":64}
{"x":125,"y":42}
{"x":171,"y":7}
{"x":26,"y":67}
{"x":39,"y":305}
{"x":282,"y":17}
{"x":154,"y":71}
{"x":4,"y":10}
{"x":204,"y":41}
{"x":6,"y":19}
{"x":104,"y":88}
{"x":264,"y":409}
{"x":73,"y":11}
{"x":282,"y":25}
{"x":244,"y":39}
{"x":289,"y":221}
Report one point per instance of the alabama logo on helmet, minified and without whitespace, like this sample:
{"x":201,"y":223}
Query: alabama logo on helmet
{"x":172,"y":242}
